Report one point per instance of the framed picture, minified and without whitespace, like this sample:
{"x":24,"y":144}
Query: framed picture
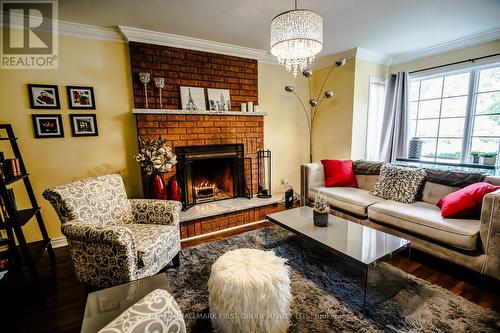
{"x":43,"y":96}
{"x":219,"y":100}
{"x":193,"y":98}
{"x":47,"y":126}
{"x":83,"y":125}
{"x":81,"y":98}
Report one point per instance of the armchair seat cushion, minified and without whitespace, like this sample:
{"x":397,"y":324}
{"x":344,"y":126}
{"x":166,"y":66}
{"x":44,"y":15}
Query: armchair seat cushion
{"x":152,"y":240}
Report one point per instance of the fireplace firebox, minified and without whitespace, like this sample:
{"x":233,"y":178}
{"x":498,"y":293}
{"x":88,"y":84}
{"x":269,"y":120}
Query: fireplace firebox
{"x":210,"y":173}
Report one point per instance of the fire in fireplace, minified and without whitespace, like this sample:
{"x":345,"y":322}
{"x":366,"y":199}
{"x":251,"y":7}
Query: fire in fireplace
{"x":210,"y":173}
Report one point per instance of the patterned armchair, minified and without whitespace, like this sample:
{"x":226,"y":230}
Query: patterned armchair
{"x":113,"y":239}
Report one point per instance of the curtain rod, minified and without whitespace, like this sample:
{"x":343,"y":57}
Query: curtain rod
{"x":456,"y":63}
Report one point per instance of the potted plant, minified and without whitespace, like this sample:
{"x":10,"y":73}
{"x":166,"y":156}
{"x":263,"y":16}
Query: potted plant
{"x":489,"y":158}
{"x":321,"y":210}
{"x":156,"y":158}
{"x":475,"y":156}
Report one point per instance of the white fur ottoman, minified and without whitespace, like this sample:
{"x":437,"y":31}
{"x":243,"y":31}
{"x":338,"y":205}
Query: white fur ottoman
{"x":249,"y":291}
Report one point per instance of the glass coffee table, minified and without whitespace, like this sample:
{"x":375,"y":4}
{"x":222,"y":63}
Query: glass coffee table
{"x":352,"y":241}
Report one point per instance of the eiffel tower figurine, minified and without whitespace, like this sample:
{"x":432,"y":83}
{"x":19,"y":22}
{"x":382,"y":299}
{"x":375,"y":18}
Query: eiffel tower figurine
{"x":190,"y":103}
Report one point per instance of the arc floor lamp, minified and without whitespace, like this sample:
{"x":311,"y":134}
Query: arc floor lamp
{"x":314,"y":103}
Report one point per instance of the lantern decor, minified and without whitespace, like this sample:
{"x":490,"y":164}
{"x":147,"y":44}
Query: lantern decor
{"x":145,"y":78}
{"x":160,"y":84}
{"x":264,"y":168}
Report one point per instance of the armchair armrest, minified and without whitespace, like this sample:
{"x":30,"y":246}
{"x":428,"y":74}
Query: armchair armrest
{"x":112,"y":234}
{"x":102,"y":256}
{"x":490,"y":234}
{"x":156,"y":211}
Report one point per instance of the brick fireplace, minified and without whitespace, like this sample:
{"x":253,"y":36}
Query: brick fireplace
{"x":183,"y":129}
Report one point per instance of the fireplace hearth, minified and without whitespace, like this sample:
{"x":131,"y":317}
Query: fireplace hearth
{"x":210,"y":173}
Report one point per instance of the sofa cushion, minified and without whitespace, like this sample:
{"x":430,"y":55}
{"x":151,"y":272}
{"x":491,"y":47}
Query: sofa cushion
{"x":366,"y":182}
{"x":433,"y":192}
{"x":352,"y":200}
{"x":399,"y":183}
{"x":339,"y":173}
{"x":151,"y":240}
{"x":425,"y":219}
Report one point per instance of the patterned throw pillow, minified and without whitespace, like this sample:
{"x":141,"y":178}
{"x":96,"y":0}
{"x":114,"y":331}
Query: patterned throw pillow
{"x":398,"y":183}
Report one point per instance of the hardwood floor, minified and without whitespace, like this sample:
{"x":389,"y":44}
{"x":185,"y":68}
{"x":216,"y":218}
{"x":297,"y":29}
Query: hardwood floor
{"x":57,"y":302}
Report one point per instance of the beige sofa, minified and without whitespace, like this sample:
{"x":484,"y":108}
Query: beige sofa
{"x":474,"y":244}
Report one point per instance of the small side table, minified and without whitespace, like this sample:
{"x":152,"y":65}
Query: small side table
{"x":105,"y":305}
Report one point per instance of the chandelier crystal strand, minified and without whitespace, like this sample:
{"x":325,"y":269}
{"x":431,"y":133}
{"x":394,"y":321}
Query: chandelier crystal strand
{"x":296,"y":37}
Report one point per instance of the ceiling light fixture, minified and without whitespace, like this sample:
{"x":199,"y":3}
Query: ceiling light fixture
{"x":296,"y":37}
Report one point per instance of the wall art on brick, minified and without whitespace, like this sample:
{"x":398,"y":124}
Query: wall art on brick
{"x":192,"y":98}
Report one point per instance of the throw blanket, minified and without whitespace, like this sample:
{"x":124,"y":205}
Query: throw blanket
{"x":443,"y":177}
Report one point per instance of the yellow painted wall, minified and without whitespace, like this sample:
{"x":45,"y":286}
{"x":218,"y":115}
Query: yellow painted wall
{"x":285,"y":127}
{"x":333,"y":123}
{"x":449,"y":57}
{"x":363,"y":70}
{"x":105,"y":66}
{"x":102,"y":65}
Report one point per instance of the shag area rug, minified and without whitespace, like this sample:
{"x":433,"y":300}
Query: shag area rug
{"x":327,"y":292}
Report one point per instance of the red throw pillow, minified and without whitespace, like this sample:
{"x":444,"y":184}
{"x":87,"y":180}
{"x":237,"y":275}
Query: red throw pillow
{"x":339,"y":173}
{"x":466,"y":202}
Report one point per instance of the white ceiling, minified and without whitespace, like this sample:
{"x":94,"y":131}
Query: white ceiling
{"x":391,"y":27}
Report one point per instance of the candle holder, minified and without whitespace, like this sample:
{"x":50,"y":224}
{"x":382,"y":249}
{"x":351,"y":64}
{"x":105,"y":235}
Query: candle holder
{"x":160,"y":84}
{"x":145,"y":78}
{"x":264,"y":171}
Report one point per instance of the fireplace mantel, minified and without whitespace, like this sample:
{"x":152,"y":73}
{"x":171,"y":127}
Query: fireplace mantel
{"x":198,"y":112}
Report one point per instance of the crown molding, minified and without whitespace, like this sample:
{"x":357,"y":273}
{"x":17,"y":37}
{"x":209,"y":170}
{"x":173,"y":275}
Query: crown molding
{"x":472,"y":40}
{"x":328,"y":60}
{"x":90,"y":32}
{"x":77,"y":30}
{"x":162,"y":38}
{"x":372,"y":56}
{"x":354,"y":53}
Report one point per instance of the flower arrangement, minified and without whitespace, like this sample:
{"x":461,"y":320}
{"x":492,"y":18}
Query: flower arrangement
{"x":155,"y":156}
{"x":321,"y":203}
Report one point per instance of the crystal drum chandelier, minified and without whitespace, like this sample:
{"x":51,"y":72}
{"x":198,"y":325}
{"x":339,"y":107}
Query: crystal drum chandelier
{"x":296,"y":37}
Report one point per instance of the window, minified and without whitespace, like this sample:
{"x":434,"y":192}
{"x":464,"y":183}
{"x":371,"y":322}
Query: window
{"x":456,"y":113}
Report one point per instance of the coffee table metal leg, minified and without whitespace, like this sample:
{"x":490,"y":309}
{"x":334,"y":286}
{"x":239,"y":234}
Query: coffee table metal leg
{"x":367,"y":267}
{"x":408,"y":257}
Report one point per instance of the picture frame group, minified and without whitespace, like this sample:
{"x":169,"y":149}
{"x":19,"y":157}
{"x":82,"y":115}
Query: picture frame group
{"x":45,"y":96}
{"x":193,"y":98}
{"x":51,"y":126}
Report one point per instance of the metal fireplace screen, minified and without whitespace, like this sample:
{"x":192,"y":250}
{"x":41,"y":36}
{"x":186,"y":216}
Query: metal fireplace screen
{"x":210,"y":173}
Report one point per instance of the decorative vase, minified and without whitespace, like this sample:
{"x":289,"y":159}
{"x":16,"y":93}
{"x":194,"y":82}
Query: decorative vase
{"x":415,"y":148}
{"x":157,"y":187}
{"x":320,"y":219}
{"x":174,"y":190}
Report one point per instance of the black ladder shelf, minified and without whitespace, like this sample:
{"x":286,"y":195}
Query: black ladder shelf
{"x":25,"y":253}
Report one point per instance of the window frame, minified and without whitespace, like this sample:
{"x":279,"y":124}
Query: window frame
{"x":470,"y":112}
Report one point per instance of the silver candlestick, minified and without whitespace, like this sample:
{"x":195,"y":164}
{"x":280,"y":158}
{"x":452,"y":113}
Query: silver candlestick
{"x":160,"y":84}
{"x":145,"y":78}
